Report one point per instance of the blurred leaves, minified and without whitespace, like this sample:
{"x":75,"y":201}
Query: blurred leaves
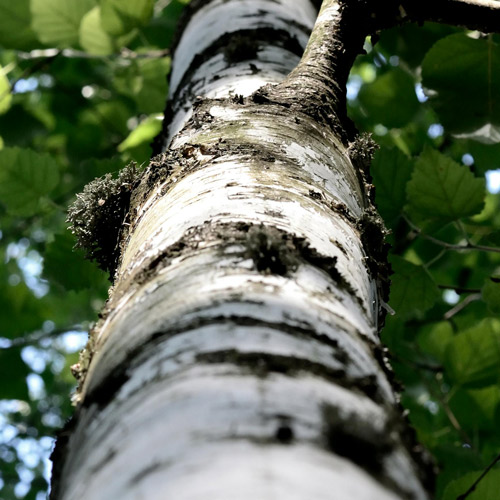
{"x":491,"y":293}
{"x":391,"y":98}
{"x":13,"y":369}
{"x":145,"y":132}
{"x":93,"y":38}
{"x":15,"y":25}
{"x":487,"y":489}
{"x":26,"y":177}
{"x":67,"y":267}
{"x":57,"y":22}
{"x":5,"y":95}
{"x":121,"y":16}
{"x":461,"y":65}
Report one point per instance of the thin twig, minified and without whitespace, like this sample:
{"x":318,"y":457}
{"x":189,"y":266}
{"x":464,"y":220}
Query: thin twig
{"x":436,"y":258}
{"x":41,"y":335}
{"x":462,"y":305}
{"x":451,"y":246}
{"x":476,"y":482}
{"x":443,"y":399}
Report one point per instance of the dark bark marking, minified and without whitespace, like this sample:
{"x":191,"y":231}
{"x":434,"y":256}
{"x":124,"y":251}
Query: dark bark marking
{"x":262,"y":364}
{"x":271,"y":251}
{"x":240,"y":47}
{"x":106,"y":391}
{"x":354,"y":439}
{"x":236,"y":47}
{"x":146,"y":471}
{"x":284,"y":434}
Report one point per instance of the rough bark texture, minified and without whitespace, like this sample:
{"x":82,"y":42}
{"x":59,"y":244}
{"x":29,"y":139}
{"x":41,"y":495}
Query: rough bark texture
{"x":238,"y":355}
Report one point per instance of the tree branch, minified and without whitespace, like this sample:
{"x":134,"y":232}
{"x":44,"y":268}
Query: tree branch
{"x":462,"y":305}
{"x":482,"y":15}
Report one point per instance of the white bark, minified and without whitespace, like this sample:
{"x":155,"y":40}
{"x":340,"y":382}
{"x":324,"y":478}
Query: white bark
{"x":214,"y":378}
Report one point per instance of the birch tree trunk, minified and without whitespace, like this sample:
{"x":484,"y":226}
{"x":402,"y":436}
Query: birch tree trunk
{"x":238,"y":355}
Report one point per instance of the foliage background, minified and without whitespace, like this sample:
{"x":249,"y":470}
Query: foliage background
{"x":82,"y":89}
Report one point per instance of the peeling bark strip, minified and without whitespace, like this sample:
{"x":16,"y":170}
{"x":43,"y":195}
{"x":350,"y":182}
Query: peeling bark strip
{"x":238,"y":355}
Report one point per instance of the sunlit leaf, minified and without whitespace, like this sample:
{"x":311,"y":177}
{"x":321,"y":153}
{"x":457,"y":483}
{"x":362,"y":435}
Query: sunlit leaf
{"x":5,"y":94}
{"x":146,"y":131}
{"x":120,"y":16}
{"x":93,"y":38}
{"x":441,"y":188}
{"x":57,"y":22}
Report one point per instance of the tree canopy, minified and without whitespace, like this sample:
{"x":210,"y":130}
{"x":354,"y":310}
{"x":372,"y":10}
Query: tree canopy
{"x":82,"y":93}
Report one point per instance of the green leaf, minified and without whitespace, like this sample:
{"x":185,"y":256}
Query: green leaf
{"x":26,"y":177}
{"x":5,"y":94}
{"x":433,"y":339}
{"x":413,"y":291}
{"x":491,"y":293}
{"x":441,"y":188}
{"x":391,"y":170}
{"x":15,"y":24}
{"x":13,"y":373}
{"x":487,"y":489}
{"x":118,"y":17}
{"x":57,"y":22}
{"x":146,"y":131}
{"x":390,"y":99}
{"x":473,"y":357}
{"x":462,"y":75}
{"x":68,"y":267}
{"x":487,"y":400}
{"x":93,"y":38}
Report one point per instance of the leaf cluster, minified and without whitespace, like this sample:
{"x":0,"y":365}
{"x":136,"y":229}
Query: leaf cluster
{"x":428,"y":96}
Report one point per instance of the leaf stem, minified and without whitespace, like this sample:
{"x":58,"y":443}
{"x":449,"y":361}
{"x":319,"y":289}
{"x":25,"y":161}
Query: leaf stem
{"x":450,"y":246}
